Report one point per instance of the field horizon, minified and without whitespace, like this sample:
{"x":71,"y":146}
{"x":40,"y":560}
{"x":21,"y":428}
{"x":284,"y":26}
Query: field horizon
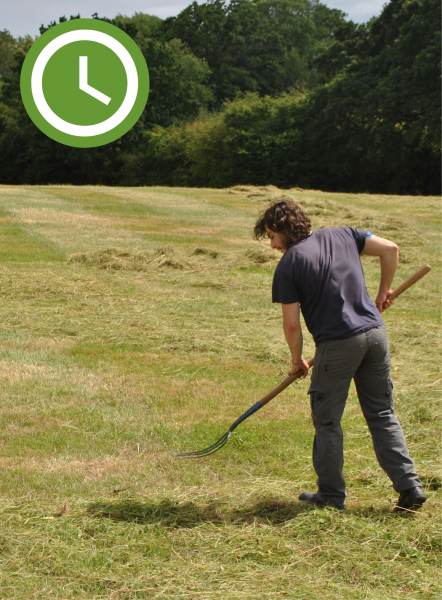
{"x":138,"y":322}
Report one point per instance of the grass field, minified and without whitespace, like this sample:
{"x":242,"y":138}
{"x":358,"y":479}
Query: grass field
{"x":135,"y":323}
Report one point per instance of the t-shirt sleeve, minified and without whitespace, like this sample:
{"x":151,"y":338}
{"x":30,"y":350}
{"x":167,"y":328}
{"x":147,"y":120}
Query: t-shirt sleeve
{"x":359,"y":236}
{"x":283,"y":289}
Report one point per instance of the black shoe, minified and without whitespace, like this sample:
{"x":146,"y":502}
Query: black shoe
{"x":410,"y":499}
{"x":320,"y":501}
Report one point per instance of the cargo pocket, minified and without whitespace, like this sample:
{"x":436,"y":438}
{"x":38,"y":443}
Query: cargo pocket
{"x":390,"y":394}
{"x":320,"y":405}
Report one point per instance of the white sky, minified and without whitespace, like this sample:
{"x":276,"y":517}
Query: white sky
{"x":25,"y":16}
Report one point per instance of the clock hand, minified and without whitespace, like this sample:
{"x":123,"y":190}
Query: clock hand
{"x":85,"y":87}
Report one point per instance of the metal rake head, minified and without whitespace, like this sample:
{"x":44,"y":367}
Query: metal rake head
{"x":223,"y":440}
{"x":210,"y":450}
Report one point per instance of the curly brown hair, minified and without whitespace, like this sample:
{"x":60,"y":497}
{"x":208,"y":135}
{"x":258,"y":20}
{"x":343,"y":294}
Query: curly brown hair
{"x":283,"y":216}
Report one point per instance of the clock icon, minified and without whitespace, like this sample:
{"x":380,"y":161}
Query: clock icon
{"x":84,"y":83}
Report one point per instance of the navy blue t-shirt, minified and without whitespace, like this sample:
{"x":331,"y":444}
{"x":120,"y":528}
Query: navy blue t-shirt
{"x":323,"y":272}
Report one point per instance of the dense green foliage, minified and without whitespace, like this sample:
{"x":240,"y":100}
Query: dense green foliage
{"x":260,"y":45}
{"x":378,"y":121}
{"x":8,"y":47}
{"x":282,"y":92}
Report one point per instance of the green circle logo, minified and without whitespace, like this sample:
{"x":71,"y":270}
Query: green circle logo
{"x":84,"y":83}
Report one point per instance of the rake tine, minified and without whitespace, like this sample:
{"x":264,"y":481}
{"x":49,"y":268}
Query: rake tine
{"x":202,"y":453}
{"x":206,"y":451}
{"x":215,"y":445}
{"x":214,"y":449}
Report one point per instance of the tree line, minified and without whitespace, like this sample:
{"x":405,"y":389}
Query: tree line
{"x":283,"y":92}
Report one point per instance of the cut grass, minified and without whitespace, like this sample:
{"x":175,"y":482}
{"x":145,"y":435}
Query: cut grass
{"x":111,"y":360}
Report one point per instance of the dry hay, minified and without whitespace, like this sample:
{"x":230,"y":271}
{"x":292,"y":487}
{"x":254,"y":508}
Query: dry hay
{"x":313,"y":204}
{"x":258,"y":193}
{"x":118,"y":259}
{"x":205,"y":252}
{"x":125,"y":260}
{"x":261,"y":255}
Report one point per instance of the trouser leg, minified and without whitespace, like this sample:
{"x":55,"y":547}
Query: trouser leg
{"x":375,"y":393}
{"x":334,"y":367}
{"x":328,"y":450}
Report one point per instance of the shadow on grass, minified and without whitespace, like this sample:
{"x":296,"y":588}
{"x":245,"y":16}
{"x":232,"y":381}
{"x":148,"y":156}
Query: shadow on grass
{"x":189,"y":514}
{"x":277,"y":512}
{"x":270,"y":510}
{"x":164,"y":512}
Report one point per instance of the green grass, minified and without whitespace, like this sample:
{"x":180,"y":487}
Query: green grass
{"x":135,"y":323}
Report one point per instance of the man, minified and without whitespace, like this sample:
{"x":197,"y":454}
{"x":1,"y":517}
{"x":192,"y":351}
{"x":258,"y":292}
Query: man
{"x":320,"y":273}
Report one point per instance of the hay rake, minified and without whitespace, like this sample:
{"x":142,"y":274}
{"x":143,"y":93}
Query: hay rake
{"x":290,"y":379}
{"x":225,"y":438}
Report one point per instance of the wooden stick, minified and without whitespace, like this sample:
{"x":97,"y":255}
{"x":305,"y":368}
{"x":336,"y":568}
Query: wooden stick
{"x":409,"y":282}
{"x":279,"y":388}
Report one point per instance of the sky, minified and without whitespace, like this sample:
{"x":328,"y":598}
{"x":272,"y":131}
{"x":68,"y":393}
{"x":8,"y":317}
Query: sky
{"x":21,"y":17}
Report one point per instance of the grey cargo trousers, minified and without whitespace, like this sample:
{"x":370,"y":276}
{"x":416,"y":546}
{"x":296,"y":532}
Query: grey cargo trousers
{"x":366,"y":359}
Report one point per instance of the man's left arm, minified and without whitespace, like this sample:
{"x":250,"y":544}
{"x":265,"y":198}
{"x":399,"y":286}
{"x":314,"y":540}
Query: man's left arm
{"x":293,"y":335}
{"x":388,"y":253}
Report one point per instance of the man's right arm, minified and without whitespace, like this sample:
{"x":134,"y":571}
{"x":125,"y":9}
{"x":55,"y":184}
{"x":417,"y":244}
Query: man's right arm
{"x":388,"y":253}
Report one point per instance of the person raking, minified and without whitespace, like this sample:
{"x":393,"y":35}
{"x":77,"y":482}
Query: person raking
{"x":320,"y":274}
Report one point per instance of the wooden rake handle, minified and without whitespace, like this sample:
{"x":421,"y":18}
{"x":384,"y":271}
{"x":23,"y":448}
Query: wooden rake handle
{"x":291,"y":378}
{"x":409,"y":282}
{"x":279,"y":388}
